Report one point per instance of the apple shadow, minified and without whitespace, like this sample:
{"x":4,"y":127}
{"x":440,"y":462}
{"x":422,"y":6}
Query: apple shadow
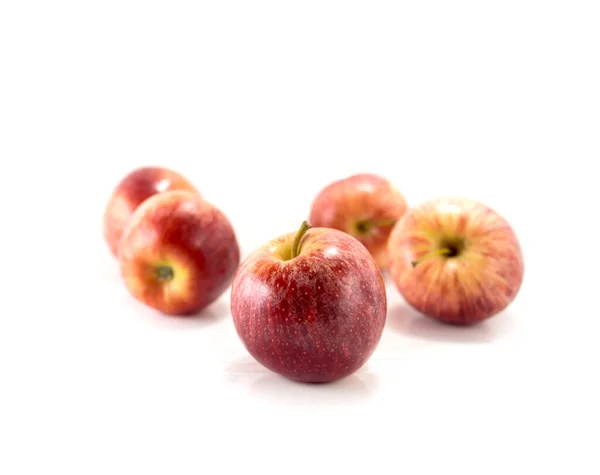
{"x":406,"y":321}
{"x":208,"y":316}
{"x":276,"y":389}
{"x":245,"y":367}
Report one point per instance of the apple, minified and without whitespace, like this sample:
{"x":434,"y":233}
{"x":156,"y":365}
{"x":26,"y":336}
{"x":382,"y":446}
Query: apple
{"x":456,"y":260}
{"x":311,"y":305}
{"x":178,"y":253}
{"x":130,"y":192}
{"x":365,"y":206}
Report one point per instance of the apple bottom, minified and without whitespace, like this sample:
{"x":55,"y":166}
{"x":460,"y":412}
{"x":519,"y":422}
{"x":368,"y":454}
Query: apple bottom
{"x":296,"y":352}
{"x":171,"y":284}
{"x":457,"y":300}
{"x":314,"y":363}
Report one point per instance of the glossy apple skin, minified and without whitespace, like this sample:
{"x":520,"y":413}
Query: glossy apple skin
{"x":133,"y":190}
{"x":315,"y":318}
{"x":365,"y":197}
{"x":475,"y":285}
{"x":179,"y":230}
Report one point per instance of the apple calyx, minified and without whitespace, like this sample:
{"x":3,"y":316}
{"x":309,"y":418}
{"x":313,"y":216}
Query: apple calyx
{"x":444,"y":251}
{"x":364,"y":226}
{"x":298,"y":239}
{"x":164,"y":273}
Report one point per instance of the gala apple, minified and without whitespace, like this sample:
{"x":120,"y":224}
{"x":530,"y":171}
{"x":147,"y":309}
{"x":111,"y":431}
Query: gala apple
{"x":130,"y":192}
{"x":456,"y":260}
{"x":365,"y":206}
{"x":310,"y":305}
{"x":178,"y":253}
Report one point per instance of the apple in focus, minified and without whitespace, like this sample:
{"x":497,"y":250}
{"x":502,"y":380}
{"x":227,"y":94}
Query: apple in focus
{"x":365,"y":206}
{"x":130,"y":192}
{"x":456,"y":260}
{"x":178,"y":253}
{"x":310,"y":306}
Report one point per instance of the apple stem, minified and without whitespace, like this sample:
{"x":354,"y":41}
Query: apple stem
{"x":365,"y":226}
{"x":384,"y":223}
{"x":444,"y":251}
{"x":297,"y":240}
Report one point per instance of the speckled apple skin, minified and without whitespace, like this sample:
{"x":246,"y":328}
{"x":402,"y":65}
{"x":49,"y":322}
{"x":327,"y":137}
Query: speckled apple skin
{"x":180,"y":230}
{"x":315,"y":318}
{"x":344,"y":203}
{"x":466,"y":289}
{"x":133,"y":190}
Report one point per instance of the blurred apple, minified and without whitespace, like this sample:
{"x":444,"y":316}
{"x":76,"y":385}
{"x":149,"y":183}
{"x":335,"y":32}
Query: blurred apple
{"x":365,"y":206}
{"x":178,"y":253}
{"x":130,"y":192}
{"x":310,"y":305}
{"x":456,"y":260}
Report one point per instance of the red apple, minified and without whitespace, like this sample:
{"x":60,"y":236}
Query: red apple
{"x":365,"y":206}
{"x":311,"y":305}
{"x":178,"y":253}
{"x":456,"y":260}
{"x":130,"y":192}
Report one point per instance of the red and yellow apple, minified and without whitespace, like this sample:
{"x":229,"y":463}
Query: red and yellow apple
{"x":311,"y":305}
{"x":131,"y":191}
{"x":178,"y":253}
{"x":456,"y":260}
{"x":365,"y":206}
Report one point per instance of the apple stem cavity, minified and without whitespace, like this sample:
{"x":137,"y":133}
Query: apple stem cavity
{"x":444,"y":251}
{"x":298,"y":239}
{"x":165,"y":273}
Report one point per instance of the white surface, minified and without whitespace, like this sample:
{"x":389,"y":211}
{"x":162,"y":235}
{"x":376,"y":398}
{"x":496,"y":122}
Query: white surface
{"x":261,"y":104}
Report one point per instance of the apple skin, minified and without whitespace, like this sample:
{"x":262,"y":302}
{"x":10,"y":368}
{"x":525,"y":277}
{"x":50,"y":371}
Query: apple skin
{"x":179,"y":233}
{"x":133,"y":190}
{"x":476,"y":284}
{"x":315,"y":318}
{"x":365,"y":206}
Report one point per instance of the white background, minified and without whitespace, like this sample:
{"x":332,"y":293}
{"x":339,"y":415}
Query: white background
{"x":261,"y":104}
